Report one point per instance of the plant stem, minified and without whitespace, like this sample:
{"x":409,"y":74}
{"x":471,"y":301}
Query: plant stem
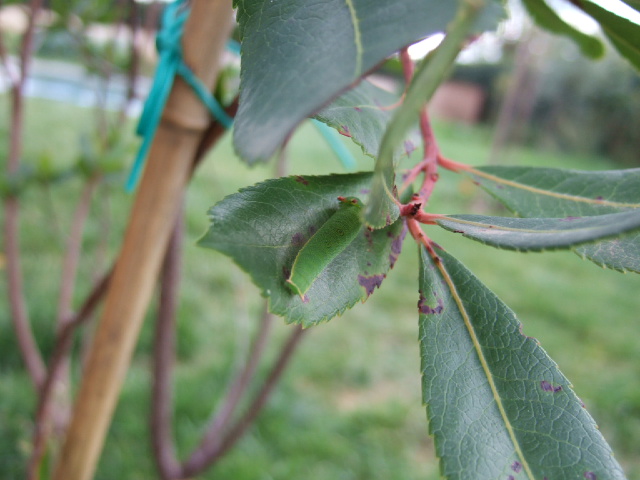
{"x":149,"y":228}
{"x":202,"y":458}
{"x":19,"y":315}
{"x":64,"y":342}
{"x":164,"y":451}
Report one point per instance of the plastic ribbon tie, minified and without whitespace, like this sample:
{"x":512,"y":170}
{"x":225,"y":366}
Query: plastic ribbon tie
{"x":170,"y":63}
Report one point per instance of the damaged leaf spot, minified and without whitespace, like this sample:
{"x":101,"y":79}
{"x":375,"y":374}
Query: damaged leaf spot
{"x":516,"y":466}
{"x":297,"y":239}
{"x":547,"y":387}
{"x":370,"y":283}
{"x":426,"y":309}
{"x":344,"y":130}
{"x":409,"y":147}
{"x":286,"y":272}
{"x":396,"y":246}
{"x":369,"y":237}
{"x":301,"y":180}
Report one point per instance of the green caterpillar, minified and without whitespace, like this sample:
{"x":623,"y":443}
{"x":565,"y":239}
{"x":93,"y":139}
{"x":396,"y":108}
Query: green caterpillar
{"x":327,"y":243}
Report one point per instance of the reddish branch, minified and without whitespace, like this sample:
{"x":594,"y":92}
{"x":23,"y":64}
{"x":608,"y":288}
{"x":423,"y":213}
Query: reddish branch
{"x":19,"y":315}
{"x":213,"y":451}
{"x":63,"y":344}
{"x":429,"y":164}
{"x":164,"y":355}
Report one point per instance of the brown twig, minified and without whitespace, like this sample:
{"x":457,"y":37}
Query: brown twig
{"x":163,"y":357}
{"x":211,"y":452}
{"x":19,"y":315}
{"x":57,"y":362}
{"x":216,"y":429}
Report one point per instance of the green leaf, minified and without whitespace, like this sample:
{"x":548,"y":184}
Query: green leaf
{"x":383,"y":209}
{"x":635,"y":4}
{"x":538,"y":234}
{"x":263,"y":227}
{"x":363,"y":114}
{"x":549,"y":192}
{"x":623,"y":33}
{"x":547,"y":18}
{"x":498,"y":407}
{"x":297,"y":56}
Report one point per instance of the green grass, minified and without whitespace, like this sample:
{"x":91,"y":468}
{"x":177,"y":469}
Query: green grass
{"x":349,"y":405}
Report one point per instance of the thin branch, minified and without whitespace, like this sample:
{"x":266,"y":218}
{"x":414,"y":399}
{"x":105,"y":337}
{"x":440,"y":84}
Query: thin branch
{"x":19,"y":315}
{"x":429,"y":164}
{"x":215,"y":431}
{"x":60,"y":354}
{"x":202,"y":459}
{"x":161,"y":419}
{"x":73,"y":250}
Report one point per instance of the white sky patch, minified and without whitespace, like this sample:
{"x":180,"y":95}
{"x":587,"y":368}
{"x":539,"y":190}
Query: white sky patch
{"x":620,"y":8}
{"x":421,"y":49}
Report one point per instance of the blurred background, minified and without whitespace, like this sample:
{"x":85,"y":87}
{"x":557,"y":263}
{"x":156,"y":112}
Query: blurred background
{"x":349,"y":405}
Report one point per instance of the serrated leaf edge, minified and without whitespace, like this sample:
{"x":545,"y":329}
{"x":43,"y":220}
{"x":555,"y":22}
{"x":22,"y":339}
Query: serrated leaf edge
{"x":483,"y":362}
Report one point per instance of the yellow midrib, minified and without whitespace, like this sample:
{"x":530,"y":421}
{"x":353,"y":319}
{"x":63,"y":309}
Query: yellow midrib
{"x":356,"y":37}
{"x":548,"y":193}
{"x":500,"y":228}
{"x":485,"y":367}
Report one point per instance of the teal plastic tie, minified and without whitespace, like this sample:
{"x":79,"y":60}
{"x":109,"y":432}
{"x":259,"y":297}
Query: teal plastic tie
{"x":170,"y":63}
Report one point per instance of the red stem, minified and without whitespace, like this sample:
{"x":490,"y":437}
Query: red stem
{"x":164,"y":356}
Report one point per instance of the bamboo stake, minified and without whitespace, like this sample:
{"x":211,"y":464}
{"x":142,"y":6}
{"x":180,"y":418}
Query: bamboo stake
{"x":150,"y":224}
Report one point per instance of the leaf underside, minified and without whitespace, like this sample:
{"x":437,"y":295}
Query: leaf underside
{"x":539,"y":234}
{"x":622,"y":32}
{"x":297,"y":56}
{"x":562,"y":193}
{"x":548,"y":19}
{"x":263,"y":227}
{"x":498,"y":407}
{"x":362,"y":114}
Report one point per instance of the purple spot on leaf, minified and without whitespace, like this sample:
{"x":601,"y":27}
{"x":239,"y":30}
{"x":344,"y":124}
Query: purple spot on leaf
{"x":357,"y":109}
{"x":569,"y":218}
{"x":286,"y":272}
{"x":368,"y":235}
{"x":297,"y":239}
{"x":388,"y":221}
{"x":312,"y":230}
{"x":590,"y":476}
{"x":547,"y":387}
{"x":344,"y":130}
{"x":599,"y":198}
{"x":301,"y":180}
{"x":409,"y":147}
{"x":305,"y":299}
{"x":426,"y":309}
{"x":370,"y":283}
{"x":396,"y":246}
{"x":364,"y":191}
{"x":516,"y":466}
{"x":511,"y":477}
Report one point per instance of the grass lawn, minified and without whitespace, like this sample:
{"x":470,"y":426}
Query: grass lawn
{"x":349,"y":405}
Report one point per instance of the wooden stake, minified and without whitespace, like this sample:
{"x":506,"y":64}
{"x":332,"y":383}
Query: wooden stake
{"x":151,"y":221}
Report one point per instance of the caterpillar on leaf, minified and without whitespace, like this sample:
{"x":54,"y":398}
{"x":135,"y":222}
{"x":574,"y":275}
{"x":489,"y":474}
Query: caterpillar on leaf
{"x":327,"y":243}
